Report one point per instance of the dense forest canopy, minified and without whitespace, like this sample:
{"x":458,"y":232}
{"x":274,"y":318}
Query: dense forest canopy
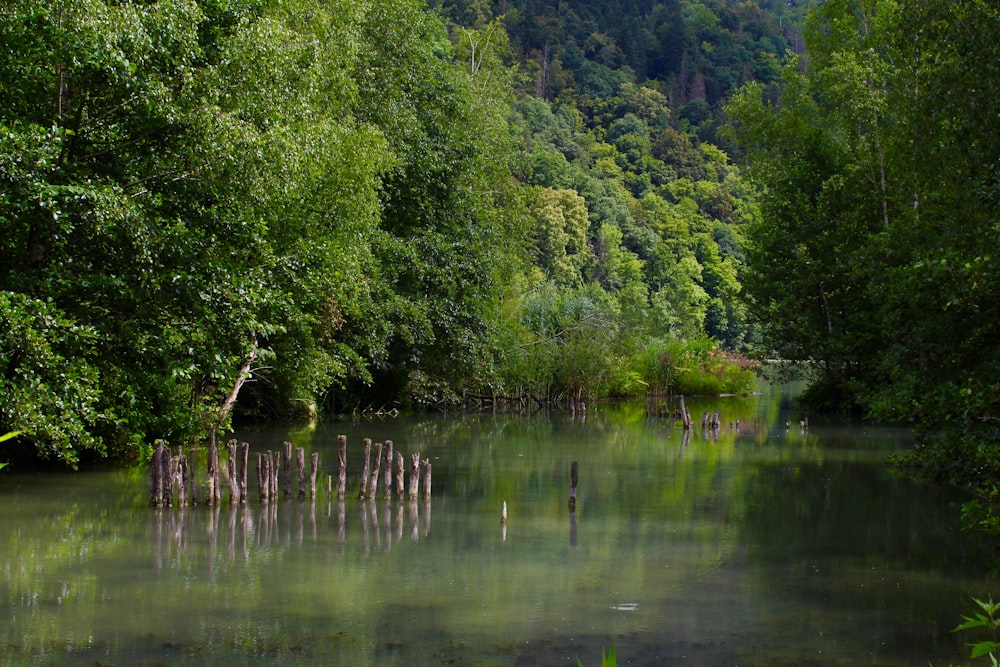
{"x":874,"y":255}
{"x":270,"y":209}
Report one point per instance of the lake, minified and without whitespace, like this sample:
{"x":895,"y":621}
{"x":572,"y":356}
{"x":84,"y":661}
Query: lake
{"x":760,"y":544}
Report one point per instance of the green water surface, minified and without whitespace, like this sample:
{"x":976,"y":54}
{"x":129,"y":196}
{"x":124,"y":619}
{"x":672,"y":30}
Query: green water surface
{"x":755,"y":545}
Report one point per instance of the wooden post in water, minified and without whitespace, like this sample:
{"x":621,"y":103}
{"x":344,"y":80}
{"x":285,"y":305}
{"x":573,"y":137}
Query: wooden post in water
{"x":263,"y":476}
{"x":275,"y":466}
{"x":287,"y":463}
{"x":167,"y":474}
{"x":192,"y":478}
{"x":685,"y":415}
{"x":367,"y":446}
{"x":342,"y":476}
{"x":414,"y":476}
{"x":234,"y":482}
{"x":574,"y":474}
{"x":400,"y":475}
{"x":181,"y":478}
{"x":313,"y":471}
{"x":376,"y":468}
{"x":214,"y":492}
{"x":427,"y":480}
{"x":244,"y":454}
{"x":156,"y":475}
{"x":300,"y":467}
{"x":388,"y":469}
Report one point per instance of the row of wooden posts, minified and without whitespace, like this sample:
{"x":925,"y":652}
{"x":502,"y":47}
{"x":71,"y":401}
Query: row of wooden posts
{"x":173,"y":480}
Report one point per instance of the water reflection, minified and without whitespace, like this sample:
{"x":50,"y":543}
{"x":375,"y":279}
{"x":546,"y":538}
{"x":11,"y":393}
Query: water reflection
{"x":237,"y":530}
{"x":750,"y":543}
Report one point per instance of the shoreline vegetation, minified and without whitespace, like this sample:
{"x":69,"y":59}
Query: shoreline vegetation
{"x":226,"y":210}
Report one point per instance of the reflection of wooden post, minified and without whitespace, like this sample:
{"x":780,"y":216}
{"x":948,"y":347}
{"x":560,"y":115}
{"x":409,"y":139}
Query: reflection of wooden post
{"x":400,"y":475}
{"x":388,"y":469}
{"x":367,"y":447}
{"x":427,"y":480}
{"x":313,"y":471}
{"x":376,"y":468}
{"x":300,"y":467}
{"x":342,"y":477}
{"x":574,"y":475}
{"x":414,"y":476}
{"x":234,"y":483}
{"x":156,"y":475}
{"x":286,"y":461}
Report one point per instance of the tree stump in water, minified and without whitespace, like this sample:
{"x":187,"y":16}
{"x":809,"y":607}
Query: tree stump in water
{"x":234,"y":482}
{"x":388,"y":469}
{"x":342,"y":477}
{"x":287,"y":463}
{"x":367,"y":446}
{"x":376,"y":468}
{"x":400,"y":475}
{"x":156,"y":475}
{"x":313,"y":471}
{"x":300,"y":467}
{"x":414,"y":476}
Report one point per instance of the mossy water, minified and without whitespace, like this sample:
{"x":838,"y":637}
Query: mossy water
{"x":755,"y":545}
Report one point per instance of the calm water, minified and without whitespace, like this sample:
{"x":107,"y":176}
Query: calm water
{"x":758,"y":546}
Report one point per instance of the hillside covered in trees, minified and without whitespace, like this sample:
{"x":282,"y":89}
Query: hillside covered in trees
{"x":275,"y":209}
{"x":292,"y":208}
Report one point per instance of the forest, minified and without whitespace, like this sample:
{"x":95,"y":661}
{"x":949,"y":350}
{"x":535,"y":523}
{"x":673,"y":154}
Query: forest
{"x":262,"y":210}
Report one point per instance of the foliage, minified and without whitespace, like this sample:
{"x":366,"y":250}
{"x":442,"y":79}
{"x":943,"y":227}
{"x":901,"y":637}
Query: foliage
{"x":5,"y":437}
{"x":986,"y":618}
{"x":270,"y":207}
{"x":874,"y":252}
{"x":607,"y":660}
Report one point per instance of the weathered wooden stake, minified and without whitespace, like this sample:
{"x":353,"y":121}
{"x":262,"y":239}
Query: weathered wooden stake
{"x":263,"y":476}
{"x":300,"y":467}
{"x":388,"y":469}
{"x":367,"y":446}
{"x":192,"y":477}
{"x":156,"y":475}
{"x":414,"y":476}
{"x":685,"y":415}
{"x":181,"y":478}
{"x":342,"y":477}
{"x":167,"y":474}
{"x":376,"y":468}
{"x":244,"y":453}
{"x":275,"y":467}
{"x":427,"y":479}
{"x":214,"y":492}
{"x":400,"y":475}
{"x":574,"y":474}
{"x":234,"y":482}
{"x":313,"y":471}
{"x":287,"y":462}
